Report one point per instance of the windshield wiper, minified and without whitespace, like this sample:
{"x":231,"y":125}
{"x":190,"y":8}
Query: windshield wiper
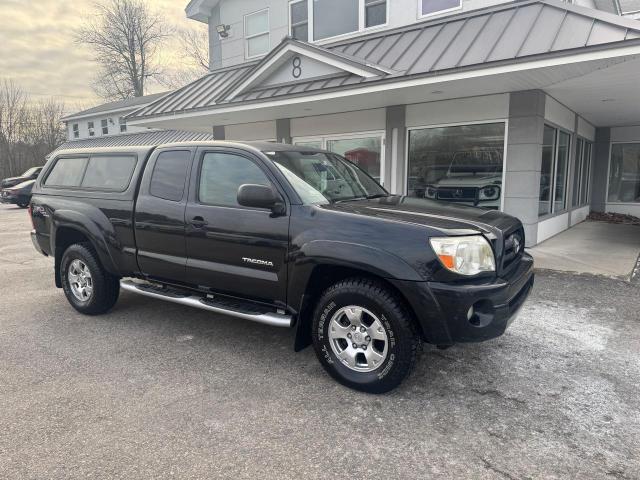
{"x":376,"y":195}
{"x":349,"y":199}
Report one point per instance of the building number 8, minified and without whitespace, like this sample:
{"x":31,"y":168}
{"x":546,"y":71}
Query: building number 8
{"x":297,"y":67}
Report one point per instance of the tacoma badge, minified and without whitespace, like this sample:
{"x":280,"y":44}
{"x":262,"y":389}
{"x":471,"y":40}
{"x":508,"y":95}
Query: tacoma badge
{"x":256,"y":261}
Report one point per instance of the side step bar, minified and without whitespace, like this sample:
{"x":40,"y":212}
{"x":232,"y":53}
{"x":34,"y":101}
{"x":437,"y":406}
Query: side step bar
{"x":231,"y":308}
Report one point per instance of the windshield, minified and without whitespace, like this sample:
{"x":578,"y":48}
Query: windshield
{"x":320,"y":177}
{"x":30,"y":172}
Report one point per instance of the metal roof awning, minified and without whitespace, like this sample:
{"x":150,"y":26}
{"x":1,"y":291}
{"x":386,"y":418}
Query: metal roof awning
{"x":553,"y":40}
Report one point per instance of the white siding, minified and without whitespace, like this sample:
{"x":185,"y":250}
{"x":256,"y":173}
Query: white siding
{"x":558,"y":114}
{"x":460,"y":110}
{"x":552,"y":226}
{"x":232,"y":12}
{"x":586,"y":130}
{"x":114,"y":128}
{"x":625,"y":134}
{"x":251,"y":131}
{"x":624,"y":208}
{"x":349,"y":122}
{"x":580,"y":215}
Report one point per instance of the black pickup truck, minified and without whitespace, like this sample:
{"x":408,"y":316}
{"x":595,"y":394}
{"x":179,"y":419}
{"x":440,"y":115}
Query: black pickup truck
{"x":283,"y":235}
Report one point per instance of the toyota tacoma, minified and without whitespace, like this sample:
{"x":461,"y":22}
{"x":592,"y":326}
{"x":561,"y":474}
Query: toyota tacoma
{"x":287,"y":236}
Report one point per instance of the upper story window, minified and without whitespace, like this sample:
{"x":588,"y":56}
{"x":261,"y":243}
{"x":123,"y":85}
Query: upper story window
{"x":317,"y":19}
{"x":435,"y":7}
{"x":76,"y":130}
{"x":105,"y":127}
{"x":91,"y":127}
{"x":256,"y":33}
{"x":123,"y":124}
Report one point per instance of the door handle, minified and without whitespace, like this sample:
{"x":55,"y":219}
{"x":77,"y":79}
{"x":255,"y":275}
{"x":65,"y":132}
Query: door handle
{"x":198,"y":222}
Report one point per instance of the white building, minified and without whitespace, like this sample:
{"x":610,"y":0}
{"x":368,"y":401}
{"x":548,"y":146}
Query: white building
{"x":106,"y":119}
{"x":532,"y":107}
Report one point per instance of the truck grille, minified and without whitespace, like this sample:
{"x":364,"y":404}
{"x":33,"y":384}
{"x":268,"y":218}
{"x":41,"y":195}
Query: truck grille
{"x":513,"y":248}
{"x":459,"y":194}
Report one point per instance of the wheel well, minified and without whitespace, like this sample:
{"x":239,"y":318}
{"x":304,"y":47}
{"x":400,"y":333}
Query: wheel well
{"x":65,"y":237}
{"x":322,"y":277}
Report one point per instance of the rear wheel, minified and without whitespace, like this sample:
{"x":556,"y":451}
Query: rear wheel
{"x":89,"y":288}
{"x":364,"y":336}
{"x":22,"y":203}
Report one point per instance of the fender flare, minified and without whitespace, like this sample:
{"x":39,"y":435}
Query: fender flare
{"x":97,"y":233}
{"x":374,"y":261}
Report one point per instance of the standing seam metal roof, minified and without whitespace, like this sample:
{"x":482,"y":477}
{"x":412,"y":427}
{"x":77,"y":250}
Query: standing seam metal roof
{"x":508,"y":32}
{"x":154,"y":137}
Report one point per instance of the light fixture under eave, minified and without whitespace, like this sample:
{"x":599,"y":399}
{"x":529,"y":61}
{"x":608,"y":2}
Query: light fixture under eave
{"x":608,"y":99}
{"x":437,"y":92}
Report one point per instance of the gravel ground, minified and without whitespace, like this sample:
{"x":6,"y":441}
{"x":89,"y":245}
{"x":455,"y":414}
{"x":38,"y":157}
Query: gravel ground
{"x":155,"y":390}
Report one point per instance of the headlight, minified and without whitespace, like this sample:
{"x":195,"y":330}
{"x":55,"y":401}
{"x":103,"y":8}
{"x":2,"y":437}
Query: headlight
{"x":491,"y":192}
{"x":464,"y":255}
{"x":430,"y":192}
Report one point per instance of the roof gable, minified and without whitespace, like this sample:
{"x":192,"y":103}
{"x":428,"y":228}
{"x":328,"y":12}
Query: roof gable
{"x":295,"y":61}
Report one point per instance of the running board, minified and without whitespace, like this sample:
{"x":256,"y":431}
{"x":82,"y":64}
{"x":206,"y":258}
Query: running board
{"x":224,"y":306}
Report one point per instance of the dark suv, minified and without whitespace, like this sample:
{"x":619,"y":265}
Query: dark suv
{"x":30,"y":174}
{"x":286,"y":236}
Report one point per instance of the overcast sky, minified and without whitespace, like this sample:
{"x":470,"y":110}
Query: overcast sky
{"x":38,"y":52}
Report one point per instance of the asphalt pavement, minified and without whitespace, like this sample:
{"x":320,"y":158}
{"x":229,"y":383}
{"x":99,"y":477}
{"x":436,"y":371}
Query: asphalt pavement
{"x":157,"y":390}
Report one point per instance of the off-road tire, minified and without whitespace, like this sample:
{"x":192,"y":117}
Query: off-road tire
{"x":106,"y":287}
{"x":404,"y":341}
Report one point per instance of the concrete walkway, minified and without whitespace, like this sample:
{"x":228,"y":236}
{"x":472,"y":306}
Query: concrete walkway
{"x":599,"y":248}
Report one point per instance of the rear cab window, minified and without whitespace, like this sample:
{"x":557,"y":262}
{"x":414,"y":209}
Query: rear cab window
{"x":67,"y":172}
{"x":99,"y":172}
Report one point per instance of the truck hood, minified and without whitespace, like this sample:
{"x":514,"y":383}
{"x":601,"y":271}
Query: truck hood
{"x":448,"y":218}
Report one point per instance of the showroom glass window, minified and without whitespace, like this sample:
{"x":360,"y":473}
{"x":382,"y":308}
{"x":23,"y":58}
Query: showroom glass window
{"x":311,"y":20}
{"x":553,"y":174}
{"x":624,"y":173}
{"x":581,"y":173}
{"x":461,"y":164}
{"x":363,"y":150}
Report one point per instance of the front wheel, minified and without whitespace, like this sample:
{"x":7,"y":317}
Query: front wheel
{"x":364,"y":336}
{"x":89,"y":288}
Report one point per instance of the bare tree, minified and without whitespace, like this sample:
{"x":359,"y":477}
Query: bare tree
{"x":124,"y":35}
{"x":195,"y":46}
{"x":194,"y":60}
{"x":28,"y":131}
{"x":13,"y":115}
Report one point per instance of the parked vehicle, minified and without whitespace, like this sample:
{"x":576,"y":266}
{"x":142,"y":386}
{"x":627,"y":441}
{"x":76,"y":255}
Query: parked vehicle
{"x":473,"y":178}
{"x":283,"y":235}
{"x":19,"y":194}
{"x":30,"y":174}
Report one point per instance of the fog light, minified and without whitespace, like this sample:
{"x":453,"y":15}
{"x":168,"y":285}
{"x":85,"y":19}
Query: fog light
{"x":481,"y":313}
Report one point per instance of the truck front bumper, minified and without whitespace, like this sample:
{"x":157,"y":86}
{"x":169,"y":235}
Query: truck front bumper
{"x":451,"y":313}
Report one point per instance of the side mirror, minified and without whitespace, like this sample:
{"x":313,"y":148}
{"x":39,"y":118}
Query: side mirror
{"x":259,"y":196}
